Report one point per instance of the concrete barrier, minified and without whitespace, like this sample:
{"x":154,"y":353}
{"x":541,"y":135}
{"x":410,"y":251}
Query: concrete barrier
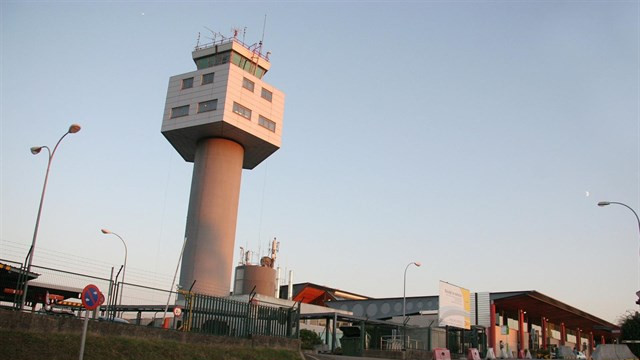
{"x":566,"y":352}
{"x":613,"y":352}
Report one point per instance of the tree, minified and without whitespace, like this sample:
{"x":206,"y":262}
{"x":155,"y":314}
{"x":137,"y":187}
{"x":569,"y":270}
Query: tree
{"x":309,"y":339}
{"x":630,"y":329}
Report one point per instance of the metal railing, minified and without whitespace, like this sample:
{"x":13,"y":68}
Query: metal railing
{"x":201,"y":313}
{"x":394,"y":343}
{"x":220,"y":316}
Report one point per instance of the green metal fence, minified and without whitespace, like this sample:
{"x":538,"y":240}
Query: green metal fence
{"x":219,"y":316}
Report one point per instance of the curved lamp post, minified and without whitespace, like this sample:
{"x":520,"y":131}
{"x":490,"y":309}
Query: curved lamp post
{"x":607,"y":203}
{"x":74,"y":128}
{"x":124,"y":268}
{"x":404,"y":299}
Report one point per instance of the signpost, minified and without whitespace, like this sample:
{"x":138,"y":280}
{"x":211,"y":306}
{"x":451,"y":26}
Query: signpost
{"x":177,"y":311}
{"x":92,"y":298}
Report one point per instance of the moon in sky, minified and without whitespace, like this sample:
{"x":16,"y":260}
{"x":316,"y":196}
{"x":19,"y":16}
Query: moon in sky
{"x":586,"y":193}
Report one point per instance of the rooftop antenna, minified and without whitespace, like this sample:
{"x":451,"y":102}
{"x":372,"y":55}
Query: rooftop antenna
{"x":198,"y":41}
{"x":235,"y":31}
{"x":264,"y":25}
{"x":213,"y":33}
{"x":244,"y":33}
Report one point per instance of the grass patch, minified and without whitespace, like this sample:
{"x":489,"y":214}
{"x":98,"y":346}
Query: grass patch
{"x":21,"y":345}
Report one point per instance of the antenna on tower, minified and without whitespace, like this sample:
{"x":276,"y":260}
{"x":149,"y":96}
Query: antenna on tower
{"x":264,"y":25}
{"x":235,"y":31}
{"x":213,"y":33}
{"x":244,"y":33}
{"x":198,"y":41}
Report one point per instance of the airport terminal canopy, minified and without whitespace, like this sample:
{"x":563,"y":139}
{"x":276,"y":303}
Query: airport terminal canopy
{"x":538,"y":305}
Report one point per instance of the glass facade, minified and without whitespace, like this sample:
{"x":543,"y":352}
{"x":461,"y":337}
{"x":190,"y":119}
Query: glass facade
{"x":213,"y":60}
{"x":247,"y":65}
{"x":235,"y":58}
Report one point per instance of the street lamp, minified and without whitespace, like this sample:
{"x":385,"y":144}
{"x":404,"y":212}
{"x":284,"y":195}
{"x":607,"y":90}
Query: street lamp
{"x":404,"y":299}
{"x":74,"y":128}
{"x":124,"y":268}
{"x":607,"y":203}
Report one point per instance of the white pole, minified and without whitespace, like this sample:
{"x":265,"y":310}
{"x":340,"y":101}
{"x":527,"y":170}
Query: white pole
{"x":174,"y":280}
{"x":84,"y":333}
{"x":290,"y":289}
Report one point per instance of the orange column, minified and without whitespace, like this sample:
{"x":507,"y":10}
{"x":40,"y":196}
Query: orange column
{"x":590,"y":342}
{"x":602,"y":340}
{"x":521,"y":328}
{"x":563,"y":334}
{"x":579,"y":340}
{"x":544,"y":333}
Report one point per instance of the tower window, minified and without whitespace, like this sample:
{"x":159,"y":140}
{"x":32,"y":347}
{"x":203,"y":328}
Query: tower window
{"x":241,"y":110}
{"x":247,"y":84}
{"x":213,"y":60}
{"x":207,"y":106}
{"x":207,"y":79}
{"x":266,"y":94}
{"x":180,"y":111}
{"x":264,"y":122}
{"x":187,"y":83}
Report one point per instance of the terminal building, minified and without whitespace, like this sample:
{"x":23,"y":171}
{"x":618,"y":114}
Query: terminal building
{"x":511,"y":321}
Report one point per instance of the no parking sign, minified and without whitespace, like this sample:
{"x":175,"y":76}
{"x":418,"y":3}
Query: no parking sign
{"x":92,"y":297}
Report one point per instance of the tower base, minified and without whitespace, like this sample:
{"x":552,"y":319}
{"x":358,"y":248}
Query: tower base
{"x":212,"y":217}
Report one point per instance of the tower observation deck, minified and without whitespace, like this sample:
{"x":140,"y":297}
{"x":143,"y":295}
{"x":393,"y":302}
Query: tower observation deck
{"x":223,"y":118}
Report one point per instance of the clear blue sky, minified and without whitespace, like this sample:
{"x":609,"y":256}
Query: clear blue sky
{"x":464,"y":135}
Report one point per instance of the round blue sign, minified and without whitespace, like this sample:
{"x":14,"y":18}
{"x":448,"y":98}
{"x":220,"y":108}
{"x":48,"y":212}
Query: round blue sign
{"x":91,"y":297}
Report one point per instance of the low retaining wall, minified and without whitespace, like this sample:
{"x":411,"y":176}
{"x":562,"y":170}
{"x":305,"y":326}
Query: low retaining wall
{"x":41,"y":323}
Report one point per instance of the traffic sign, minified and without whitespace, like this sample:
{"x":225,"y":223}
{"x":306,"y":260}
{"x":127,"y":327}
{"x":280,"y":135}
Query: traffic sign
{"x":91,"y":297}
{"x":177,"y":311}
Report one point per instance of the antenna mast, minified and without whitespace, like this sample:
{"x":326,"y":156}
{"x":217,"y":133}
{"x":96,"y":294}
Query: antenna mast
{"x":264,"y":25}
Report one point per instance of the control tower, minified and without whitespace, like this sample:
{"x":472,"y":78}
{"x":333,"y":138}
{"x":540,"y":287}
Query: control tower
{"x":223,"y":118}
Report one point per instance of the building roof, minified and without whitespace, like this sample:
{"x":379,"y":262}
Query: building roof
{"x":310,"y":293}
{"x":538,"y":305}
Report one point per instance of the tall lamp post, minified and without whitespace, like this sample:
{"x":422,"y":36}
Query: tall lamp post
{"x":404,"y":300}
{"x":124,"y":268}
{"x":74,"y":128}
{"x":607,"y":203}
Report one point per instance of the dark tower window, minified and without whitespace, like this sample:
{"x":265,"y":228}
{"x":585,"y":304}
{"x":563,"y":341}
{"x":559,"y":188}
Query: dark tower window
{"x":187,"y":83}
{"x":207,"y":106}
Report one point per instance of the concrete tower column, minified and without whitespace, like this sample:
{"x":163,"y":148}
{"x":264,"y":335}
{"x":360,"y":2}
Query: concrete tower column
{"x":211,"y":219}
